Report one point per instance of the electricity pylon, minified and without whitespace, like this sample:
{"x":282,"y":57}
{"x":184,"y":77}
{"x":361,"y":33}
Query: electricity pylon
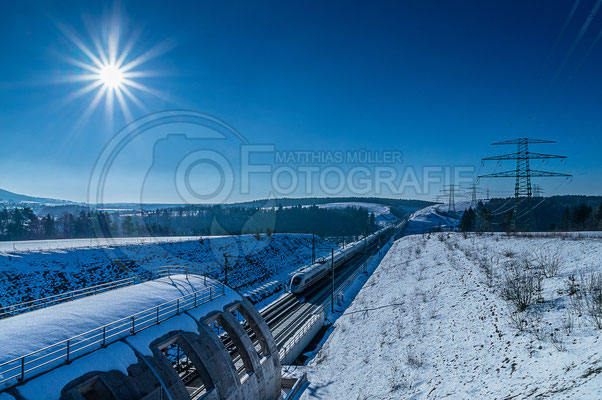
{"x":450,"y":190}
{"x":523,"y":173}
{"x":474,"y":188}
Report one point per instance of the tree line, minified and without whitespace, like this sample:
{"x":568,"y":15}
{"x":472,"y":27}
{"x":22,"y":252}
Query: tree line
{"x":561,"y":213}
{"x":23,"y":224}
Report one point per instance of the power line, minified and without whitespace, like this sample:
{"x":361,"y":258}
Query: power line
{"x":450,"y":191}
{"x":474,"y":189}
{"x":523,"y":173}
{"x":537,"y":190}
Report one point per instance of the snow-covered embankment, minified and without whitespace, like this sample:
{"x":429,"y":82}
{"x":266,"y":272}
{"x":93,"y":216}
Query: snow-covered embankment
{"x":433,"y":321}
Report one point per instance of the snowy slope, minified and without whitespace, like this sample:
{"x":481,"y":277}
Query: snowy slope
{"x":381,"y":212}
{"x":25,"y":246}
{"x":36,"y":271}
{"x":11,"y":198}
{"x":376,"y":209}
{"x":436,"y":218}
{"x":427,"y":325}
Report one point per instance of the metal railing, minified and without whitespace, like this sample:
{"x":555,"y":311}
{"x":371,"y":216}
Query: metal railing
{"x":44,"y":302}
{"x":35,"y":363}
{"x":288,"y":346}
{"x":32,"y":305}
{"x":161,"y":272}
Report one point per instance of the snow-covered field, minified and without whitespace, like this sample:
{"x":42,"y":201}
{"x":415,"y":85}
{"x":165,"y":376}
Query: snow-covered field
{"x":31,"y":272}
{"x":433,"y":321}
{"x":24,"y":246}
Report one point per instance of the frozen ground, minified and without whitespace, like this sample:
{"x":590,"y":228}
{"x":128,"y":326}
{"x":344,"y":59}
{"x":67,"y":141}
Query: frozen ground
{"x":262,"y":266}
{"x":433,"y":322}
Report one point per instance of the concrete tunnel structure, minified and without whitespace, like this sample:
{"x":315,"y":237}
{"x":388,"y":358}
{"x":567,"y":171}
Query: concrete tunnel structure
{"x":218,"y":349}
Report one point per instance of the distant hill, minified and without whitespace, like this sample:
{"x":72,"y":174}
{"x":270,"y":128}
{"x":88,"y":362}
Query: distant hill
{"x":287,"y":202}
{"x":55,"y":207}
{"x":11,"y":198}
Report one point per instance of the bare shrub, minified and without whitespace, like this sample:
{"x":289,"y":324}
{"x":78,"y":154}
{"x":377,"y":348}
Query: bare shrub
{"x":434,"y":309}
{"x":469,"y":253}
{"x":591,"y":287}
{"x":539,"y":331}
{"x":486,"y":266}
{"x":417,"y":251}
{"x":397,"y":379}
{"x":548,"y":261}
{"x":571,"y":285}
{"x":421,"y":270}
{"x":518,"y":320}
{"x":414,"y":359}
{"x":538,"y":275}
{"x":557,"y":341}
{"x":567,"y":323}
{"x":577,"y":303}
{"x":519,"y":284}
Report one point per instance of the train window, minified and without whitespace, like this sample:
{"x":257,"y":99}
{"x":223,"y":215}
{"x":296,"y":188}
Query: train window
{"x":238,"y":354}
{"x":193,"y":375}
{"x":297,"y":280}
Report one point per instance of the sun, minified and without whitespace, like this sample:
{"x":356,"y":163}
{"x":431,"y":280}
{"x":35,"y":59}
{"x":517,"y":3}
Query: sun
{"x":111,"y":76}
{"x":108,"y":68}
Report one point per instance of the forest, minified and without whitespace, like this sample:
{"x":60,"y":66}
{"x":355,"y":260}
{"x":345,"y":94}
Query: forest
{"x":22,"y":223}
{"x":550,"y":214}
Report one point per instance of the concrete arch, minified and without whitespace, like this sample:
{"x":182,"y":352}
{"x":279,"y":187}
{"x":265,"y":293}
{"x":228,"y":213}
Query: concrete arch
{"x":154,"y":377}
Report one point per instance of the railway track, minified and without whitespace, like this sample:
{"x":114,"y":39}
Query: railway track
{"x":297,"y":309}
{"x":289,"y":314}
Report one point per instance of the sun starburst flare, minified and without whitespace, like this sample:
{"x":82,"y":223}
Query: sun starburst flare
{"x":109,"y":71}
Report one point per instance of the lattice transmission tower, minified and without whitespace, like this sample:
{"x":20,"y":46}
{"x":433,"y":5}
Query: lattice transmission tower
{"x":474,"y":190}
{"x":450,"y":191}
{"x":537,"y":191}
{"x":522,"y":217}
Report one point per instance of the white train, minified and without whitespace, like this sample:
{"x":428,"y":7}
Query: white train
{"x":308,"y":276}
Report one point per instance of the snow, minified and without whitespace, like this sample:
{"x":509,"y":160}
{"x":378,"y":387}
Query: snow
{"x":428,"y":325}
{"x":44,"y":268}
{"x":117,"y":356}
{"x":376,"y":209}
{"x":436,"y":217}
{"x":382,"y":213}
{"x":25,"y":333}
{"x":186,"y":322}
{"x":24,"y":246}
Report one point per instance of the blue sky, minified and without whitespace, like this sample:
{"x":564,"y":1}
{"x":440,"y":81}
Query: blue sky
{"x":437,"y":81}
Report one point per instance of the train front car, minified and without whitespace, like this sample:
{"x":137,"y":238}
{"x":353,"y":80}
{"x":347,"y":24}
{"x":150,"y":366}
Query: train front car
{"x":297,"y":282}
{"x":310,"y":275}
